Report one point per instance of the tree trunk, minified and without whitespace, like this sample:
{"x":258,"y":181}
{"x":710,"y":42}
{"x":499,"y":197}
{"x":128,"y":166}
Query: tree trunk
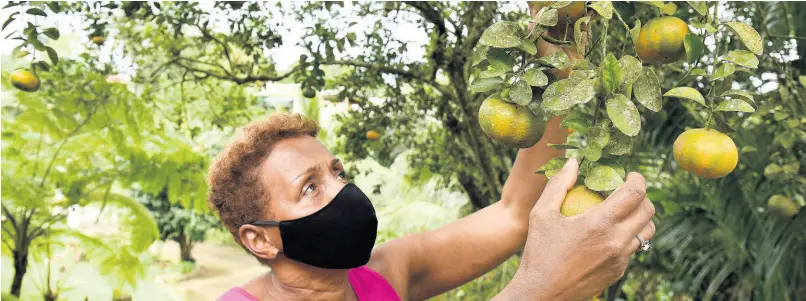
{"x":20,"y":268}
{"x":185,"y":248}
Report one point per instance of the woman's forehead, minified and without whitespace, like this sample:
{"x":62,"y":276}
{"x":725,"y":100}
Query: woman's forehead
{"x":293,"y":156}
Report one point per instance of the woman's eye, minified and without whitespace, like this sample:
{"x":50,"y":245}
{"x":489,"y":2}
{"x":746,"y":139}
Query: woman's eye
{"x":342,"y":175}
{"x":309,"y":189}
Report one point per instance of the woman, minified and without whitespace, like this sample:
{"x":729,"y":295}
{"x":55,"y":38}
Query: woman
{"x":286,"y":200}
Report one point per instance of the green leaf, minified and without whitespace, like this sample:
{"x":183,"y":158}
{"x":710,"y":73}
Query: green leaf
{"x":699,"y":6}
{"x":503,"y":34}
{"x":748,"y":35}
{"x":630,"y":69}
{"x":802,"y":80}
{"x":37,"y":44}
{"x":724,"y":70}
{"x":694,"y":47}
{"x":604,"y":8}
{"x":603,"y":178}
{"x":52,"y":33}
{"x":582,"y":74}
{"x":535,"y":77}
{"x":686,"y":93}
{"x":500,"y":62}
{"x":624,"y":115}
{"x":780,"y":115}
{"x":521,"y":93}
{"x":480,"y":54}
{"x":9,"y":20}
{"x":647,"y":90}
{"x":739,"y":94}
{"x":36,"y":12}
{"x":610,"y":74}
{"x":743,"y":58}
{"x":547,"y":18}
{"x":560,"y":4}
{"x":552,"y":166}
{"x":557,"y":60}
{"x":54,"y":57}
{"x":42,"y":65}
{"x":528,"y":46}
{"x":564,"y":94}
{"x":486,"y":84}
{"x":694,"y":22}
{"x":636,"y":30}
{"x":562,"y":146}
{"x":710,"y":28}
{"x":668,"y":9}
{"x":579,"y":125}
{"x":619,"y":144}
{"x":592,"y":152}
{"x":735,"y":105}
{"x":599,"y":135}
{"x":614,"y":164}
{"x":492,"y":73}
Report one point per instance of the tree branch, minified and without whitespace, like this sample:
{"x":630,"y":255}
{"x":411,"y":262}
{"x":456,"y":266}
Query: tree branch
{"x":10,"y":216}
{"x":430,"y":14}
{"x":39,"y":230}
{"x":223,"y":45}
{"x":242,"y":80}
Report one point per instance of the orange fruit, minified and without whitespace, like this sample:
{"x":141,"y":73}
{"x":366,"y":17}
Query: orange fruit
{"x":510,"y":124}
{"x":373,"y":135}
{"x":98,"y":40}
{"x":25,"y":80}
{"x":579,"y":199}
{"x":706,"y":153}
{"x":661,"y":40}
{"x":782,"y":205}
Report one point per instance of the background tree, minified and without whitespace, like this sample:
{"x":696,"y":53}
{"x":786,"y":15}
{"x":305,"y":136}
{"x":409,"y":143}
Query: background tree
{"x":175,"y":222}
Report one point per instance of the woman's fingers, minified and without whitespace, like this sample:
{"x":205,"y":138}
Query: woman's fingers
{"x":558,"y":186}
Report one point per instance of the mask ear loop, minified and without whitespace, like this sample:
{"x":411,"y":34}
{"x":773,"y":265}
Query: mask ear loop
{"x":267,"y":223}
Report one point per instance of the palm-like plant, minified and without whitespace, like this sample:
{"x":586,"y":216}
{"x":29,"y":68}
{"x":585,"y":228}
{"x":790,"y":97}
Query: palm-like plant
{"x":60,"y":152}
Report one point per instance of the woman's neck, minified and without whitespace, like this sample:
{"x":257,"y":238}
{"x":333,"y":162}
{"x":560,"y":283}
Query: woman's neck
{"x":294,"y":281}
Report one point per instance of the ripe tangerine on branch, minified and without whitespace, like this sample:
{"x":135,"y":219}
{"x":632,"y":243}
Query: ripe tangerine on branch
{"x":706,"y":153}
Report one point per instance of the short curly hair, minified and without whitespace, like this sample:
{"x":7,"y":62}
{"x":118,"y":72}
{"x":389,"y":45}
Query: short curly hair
{"x":236,"y":191}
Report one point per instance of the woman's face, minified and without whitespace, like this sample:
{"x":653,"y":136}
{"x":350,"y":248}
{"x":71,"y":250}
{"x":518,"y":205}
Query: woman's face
{"x":302,"y":176}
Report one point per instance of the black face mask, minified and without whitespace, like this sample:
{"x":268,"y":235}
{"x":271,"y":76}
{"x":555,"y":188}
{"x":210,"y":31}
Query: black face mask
{"x":338,"y":236}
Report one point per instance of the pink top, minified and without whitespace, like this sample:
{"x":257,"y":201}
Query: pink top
{"x":367,"y":284}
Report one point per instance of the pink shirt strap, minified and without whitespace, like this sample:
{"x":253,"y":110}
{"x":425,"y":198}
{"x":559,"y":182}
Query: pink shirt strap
{"x":371,"y":286}
{"x":367,"y":284}
{"x":237,"y":294}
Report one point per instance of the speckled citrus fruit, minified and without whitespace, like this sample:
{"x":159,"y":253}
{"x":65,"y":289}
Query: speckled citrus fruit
{"x":373,"y":135}
{"x":25,"y":80}
{"x":509,"y":123}
{"x":98,"y":40}
{"x":706,"y":153}
{"x":580,"y":199}
{"x":782,"y":205}
{"x":661,"y":40}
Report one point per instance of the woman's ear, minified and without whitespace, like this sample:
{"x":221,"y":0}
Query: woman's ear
{"x":256,"y":239}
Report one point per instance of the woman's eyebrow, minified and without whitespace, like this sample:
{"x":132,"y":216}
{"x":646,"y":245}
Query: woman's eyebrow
{"x":310,"y":170}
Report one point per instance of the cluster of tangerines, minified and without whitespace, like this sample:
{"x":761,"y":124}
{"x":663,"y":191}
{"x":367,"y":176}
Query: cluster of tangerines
{"x":705,"y":152}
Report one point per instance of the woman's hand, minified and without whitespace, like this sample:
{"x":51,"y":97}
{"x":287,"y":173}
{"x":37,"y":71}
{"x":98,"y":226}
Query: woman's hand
{"x":574,"y":258}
